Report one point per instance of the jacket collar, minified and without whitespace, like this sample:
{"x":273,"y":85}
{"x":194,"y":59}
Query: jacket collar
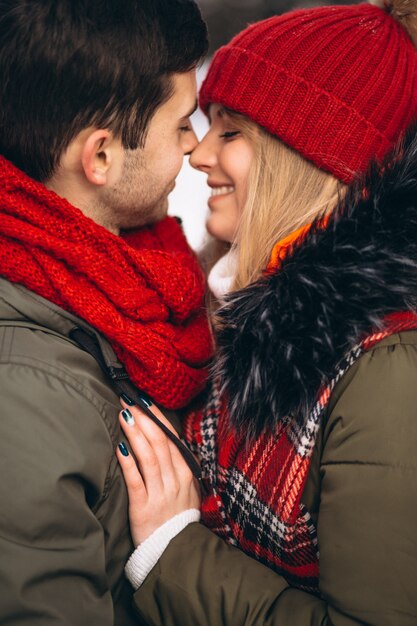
{"x":283,"y":247}
{"x":21,"y":307}
{"x":280,"y":339}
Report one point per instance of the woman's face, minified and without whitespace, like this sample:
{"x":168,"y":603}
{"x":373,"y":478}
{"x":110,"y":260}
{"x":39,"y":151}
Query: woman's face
{"x":226,"y":157}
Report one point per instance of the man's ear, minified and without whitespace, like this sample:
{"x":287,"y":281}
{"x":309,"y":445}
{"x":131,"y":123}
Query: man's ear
{"x":97,"y":156}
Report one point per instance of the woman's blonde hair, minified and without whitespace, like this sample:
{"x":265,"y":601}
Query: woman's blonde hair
{"x":285,"y":192}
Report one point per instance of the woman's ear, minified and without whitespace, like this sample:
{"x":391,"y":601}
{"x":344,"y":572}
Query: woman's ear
{"x":98,"y":156}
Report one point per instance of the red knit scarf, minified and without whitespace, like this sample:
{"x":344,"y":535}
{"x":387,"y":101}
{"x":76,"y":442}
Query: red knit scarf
{"x":144,"y":293}
{"x":254,"y":494}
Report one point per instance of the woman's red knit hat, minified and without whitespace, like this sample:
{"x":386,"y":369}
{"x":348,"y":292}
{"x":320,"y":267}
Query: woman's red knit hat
{"x":337,"y":84}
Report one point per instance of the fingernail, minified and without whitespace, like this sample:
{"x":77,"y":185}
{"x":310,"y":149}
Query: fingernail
{"x":126,"y":399}
{"x":123,"y":449}
{"x":146,"y":401}
{"x":128,"y":417}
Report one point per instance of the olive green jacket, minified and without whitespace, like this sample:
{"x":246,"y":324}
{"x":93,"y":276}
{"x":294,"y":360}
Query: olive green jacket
{"x":362,"y":493}
{"x":64,"y":536}
{"x":281,"y":340}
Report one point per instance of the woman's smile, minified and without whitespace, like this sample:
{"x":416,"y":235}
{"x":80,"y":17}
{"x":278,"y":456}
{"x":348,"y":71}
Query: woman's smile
{"x":222,"y":191}
{"x":226,"y":156}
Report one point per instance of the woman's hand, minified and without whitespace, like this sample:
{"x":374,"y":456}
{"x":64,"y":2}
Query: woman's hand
{"x":160,"y":485}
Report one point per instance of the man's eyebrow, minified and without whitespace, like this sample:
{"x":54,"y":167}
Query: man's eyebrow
{"x":191,"y":111}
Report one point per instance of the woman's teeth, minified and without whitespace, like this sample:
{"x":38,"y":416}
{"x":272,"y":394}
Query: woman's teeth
{"x":218,"y":191}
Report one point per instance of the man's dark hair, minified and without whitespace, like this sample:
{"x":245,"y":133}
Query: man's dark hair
{"x":69,"y":64}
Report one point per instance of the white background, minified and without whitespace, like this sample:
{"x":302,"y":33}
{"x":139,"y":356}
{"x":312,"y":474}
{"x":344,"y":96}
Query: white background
{"x":189,"y":198}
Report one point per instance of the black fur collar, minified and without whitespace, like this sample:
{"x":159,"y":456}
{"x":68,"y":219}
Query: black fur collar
{"x":282,"y":337}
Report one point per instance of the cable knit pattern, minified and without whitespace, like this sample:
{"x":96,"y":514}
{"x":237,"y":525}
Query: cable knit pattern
{"x":144,"y":293}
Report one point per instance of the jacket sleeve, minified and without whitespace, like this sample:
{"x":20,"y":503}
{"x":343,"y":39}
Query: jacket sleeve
{"x":366,"y":525}
{"x":52,"y":565}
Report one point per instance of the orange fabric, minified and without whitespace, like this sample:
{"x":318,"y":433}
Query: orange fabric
{"x":280,"y":250}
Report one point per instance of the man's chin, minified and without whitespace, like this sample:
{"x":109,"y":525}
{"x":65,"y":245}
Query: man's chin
{"x":161,"y":210}
{"x":147,"y":217}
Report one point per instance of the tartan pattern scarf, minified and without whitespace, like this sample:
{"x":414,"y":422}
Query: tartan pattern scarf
{"x":254,"y":492}
{"x":143,"y":292}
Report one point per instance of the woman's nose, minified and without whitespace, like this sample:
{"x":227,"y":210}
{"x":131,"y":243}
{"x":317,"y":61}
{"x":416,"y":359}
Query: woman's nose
{"x":203,"y":157}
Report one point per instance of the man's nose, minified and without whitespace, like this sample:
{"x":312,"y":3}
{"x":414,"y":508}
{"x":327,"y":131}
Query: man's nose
{"x":190,"y":143}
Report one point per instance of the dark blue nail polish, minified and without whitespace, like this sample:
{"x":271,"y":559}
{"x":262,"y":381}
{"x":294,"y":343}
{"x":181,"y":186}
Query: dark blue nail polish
{"x":128,"y":417}
{"x":123,"y":449}
{"x":145,"y":399}
{"x":127,"y":400}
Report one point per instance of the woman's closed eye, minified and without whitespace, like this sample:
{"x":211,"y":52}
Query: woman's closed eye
{"x":230,"y":134}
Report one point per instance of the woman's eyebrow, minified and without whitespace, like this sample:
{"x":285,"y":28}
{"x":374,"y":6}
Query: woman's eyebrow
{"x":221,"y":112}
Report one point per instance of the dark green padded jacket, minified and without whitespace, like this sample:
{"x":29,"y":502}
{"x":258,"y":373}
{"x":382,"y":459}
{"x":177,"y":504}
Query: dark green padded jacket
{"x":64,"y":536}
{"x":362,"y":491}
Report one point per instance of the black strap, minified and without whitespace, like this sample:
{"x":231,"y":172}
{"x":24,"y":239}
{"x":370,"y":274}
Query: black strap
{"x":123,"y":384}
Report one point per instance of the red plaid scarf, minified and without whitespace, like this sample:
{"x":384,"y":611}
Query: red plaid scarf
{"x":144,"y":293}
{"x":254,"y":494}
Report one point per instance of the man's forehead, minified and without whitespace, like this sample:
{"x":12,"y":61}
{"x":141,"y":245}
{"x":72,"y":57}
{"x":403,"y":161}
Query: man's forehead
{"x":184,"y":98}
{"x":192,"y":109}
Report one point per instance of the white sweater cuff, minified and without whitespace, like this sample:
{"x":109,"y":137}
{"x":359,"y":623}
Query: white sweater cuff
{"x":148,"y":553}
